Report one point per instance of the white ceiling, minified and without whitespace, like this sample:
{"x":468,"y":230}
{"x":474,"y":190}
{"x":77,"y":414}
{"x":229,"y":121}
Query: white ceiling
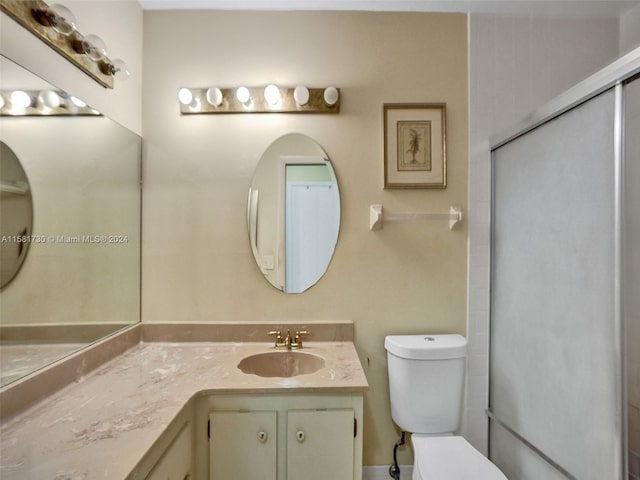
{"x":565,"y":8}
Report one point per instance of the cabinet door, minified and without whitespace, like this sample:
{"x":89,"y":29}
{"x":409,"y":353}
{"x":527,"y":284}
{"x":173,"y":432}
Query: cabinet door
{"x":242,"y":445}
{"x":320,"y":444}
{"x":175,"y":464}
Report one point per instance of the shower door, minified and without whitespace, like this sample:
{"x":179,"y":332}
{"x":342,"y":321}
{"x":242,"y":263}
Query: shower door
{"x":632,"y":272}
{"x":556,"y":406}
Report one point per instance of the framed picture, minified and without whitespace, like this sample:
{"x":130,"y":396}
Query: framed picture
{"x":415,"y":154}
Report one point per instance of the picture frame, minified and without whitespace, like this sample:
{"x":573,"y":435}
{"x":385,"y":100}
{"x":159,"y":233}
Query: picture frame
{"x":415,"y":154}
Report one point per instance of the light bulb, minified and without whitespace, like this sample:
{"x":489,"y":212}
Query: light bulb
{"x":94,"y":47}
{"x":61,"y":18}
{"x":301,"y":95}
{"x":214,"y":96}
{"x":77,"y":102}
{"x":272,"y":95}
{"x":49,"y":99}
{"x":119,"y":69}
{"x":331,"y":95}
{"x":20,"y":99}
{"x":243,"y":95}
{"x":185,"y":96}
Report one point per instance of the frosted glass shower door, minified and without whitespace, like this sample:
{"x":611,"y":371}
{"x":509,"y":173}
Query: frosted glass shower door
{"x":555,"y":343}
{"x":632,"y":271}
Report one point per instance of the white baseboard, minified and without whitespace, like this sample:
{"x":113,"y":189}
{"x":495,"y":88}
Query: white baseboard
{"x":381,"y":472}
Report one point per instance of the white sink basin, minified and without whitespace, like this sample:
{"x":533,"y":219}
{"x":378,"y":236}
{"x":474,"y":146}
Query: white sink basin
{"x":281,"y":364}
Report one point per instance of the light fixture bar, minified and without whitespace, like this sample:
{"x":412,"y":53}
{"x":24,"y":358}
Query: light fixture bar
{"x":258,"y":103}
{"x":23,"y":11}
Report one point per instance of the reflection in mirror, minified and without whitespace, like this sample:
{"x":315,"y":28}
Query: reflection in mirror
{"x":16,"y":214}
{"x":80,"y":279}
{"x":293,"y":213}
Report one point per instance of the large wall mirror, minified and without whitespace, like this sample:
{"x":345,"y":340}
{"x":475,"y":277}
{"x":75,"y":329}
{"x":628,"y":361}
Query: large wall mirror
{"x":293,"y":213}
{"x":79,"y":278}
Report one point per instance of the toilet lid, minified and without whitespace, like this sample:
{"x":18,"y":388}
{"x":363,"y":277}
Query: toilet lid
{"x":451,"y":458}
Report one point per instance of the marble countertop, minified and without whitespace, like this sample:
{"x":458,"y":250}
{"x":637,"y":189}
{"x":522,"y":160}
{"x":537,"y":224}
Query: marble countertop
{"x":102,"y":425}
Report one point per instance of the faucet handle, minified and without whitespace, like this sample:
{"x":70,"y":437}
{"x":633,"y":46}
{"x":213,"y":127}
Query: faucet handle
{"x":298,"y":337}
{"x":278,"y":336}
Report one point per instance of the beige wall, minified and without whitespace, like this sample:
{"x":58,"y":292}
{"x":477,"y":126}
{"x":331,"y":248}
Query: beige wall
{"x":197,"y":262}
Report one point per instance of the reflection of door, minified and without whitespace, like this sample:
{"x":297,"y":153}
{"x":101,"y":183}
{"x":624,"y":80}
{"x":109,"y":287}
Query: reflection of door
{"x":312,"y":223}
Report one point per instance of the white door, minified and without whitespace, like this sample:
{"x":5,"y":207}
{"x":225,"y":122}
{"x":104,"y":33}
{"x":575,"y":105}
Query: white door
{"x":312,"y":224}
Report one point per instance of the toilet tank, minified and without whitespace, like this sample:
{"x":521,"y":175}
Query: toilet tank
{"x":426,"y":381}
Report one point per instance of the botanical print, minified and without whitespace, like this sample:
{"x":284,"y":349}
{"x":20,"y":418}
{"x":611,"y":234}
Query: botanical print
{"x":414,"y":146}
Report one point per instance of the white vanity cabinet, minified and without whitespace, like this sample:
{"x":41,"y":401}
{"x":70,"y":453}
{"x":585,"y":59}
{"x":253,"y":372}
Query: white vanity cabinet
{"x":176,"y":462}
{"x":279,"y":437}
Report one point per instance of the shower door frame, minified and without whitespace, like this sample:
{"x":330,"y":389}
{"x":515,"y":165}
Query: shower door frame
{"x":614,"y":76}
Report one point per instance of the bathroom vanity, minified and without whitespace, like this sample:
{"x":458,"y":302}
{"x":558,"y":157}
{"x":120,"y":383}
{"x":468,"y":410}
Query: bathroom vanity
{"x":185,"y":410}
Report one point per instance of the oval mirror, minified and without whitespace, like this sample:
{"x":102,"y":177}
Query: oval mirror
{"x":293,"y":213}
{"x":16,"y":214}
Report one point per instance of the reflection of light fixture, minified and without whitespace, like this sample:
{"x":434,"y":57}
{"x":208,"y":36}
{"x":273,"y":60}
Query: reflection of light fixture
{"x":243,"y":95}
{"x":46,"y":102}
{"x":331,"y":95}
{"x":185,"y":96}
{"x":266,"y":99}
{"x":55,"y":25}
{"x":214,"y":96}
{"x":272,"y":95}
{"x":77,"y":102}
{"x":301,"y":95}
{"x":49,"y":99}
{"x":20,"y":99}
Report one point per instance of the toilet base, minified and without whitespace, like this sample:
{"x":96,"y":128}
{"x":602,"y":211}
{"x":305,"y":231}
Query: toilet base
{"x":450,"y":458}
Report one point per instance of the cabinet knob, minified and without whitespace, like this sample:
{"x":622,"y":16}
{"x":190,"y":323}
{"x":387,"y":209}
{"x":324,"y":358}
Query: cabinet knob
{"x":300,"y":436}
{"x":262,"y":437}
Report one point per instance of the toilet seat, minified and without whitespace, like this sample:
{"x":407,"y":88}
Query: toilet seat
{"x":450,"y":458}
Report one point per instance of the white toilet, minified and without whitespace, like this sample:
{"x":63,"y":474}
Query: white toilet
{"x":426,"y":382}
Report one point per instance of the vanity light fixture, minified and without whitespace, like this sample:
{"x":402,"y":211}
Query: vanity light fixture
{"x":94,"y":48}
{"x":301,"y":95}
{"x":214,"y":96}
{"x":185,"y":96}
{"x":243,"y":95}
{"x":55,"y":25}
{"x":23,"y":103}
{"x":266,"y":99}
{"x":272,"y":95}
{"x":59,"y":17}
{"x":331,"y":95}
